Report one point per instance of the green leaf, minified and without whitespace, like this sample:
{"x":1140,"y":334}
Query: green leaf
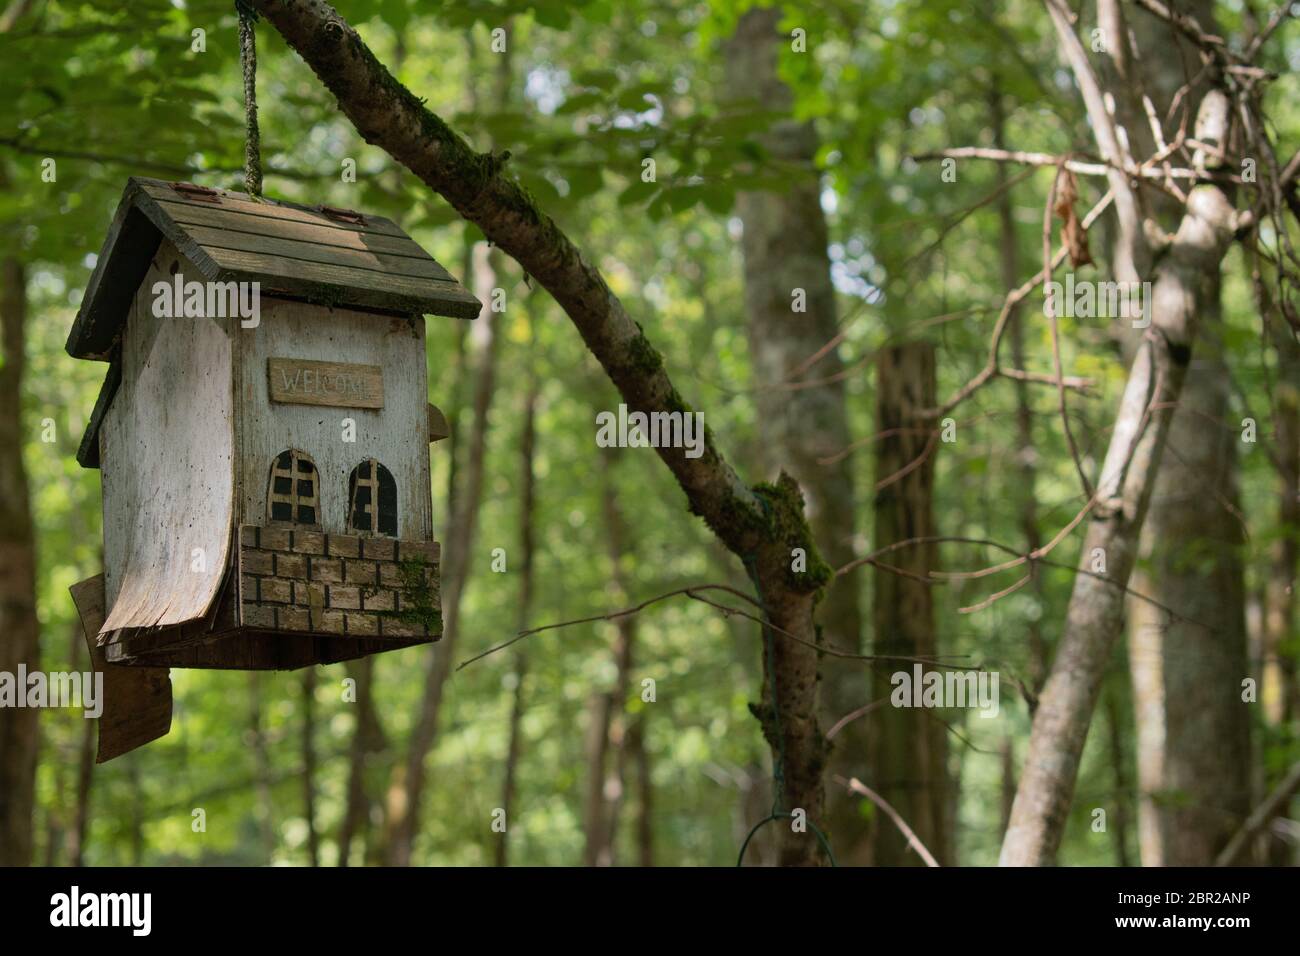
{"x":638,"y":192}
{"x":579,"y":102}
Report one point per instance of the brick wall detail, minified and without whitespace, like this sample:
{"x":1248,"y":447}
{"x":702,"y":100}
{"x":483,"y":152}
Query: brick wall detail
{"x":294,"y":579}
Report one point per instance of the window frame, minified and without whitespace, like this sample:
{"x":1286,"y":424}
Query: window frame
{"x":374,"y":509}
{"x":295,"y":474}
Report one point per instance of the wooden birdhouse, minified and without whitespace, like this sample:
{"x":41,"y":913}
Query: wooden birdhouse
{"x":262,"y":435}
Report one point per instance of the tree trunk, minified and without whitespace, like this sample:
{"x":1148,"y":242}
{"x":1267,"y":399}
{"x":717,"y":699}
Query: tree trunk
{"x":1119,"y":817}
{"x":514,"y":749}
{"x":609,"y":732}
{"x":76,"y":837}
{"x":19,"y":630}
{"x":1278,"y":688}
{"x":1192,"y":733}
{"x":599,"y":705}
{"x":645,"y":854}
{"x":762,"y":525}
{"x":135,"y":820}
{"x":264,"y":806}
{"x":309,"y":763}
{"x":790,"y":302}
{"x":527,"y":536}
{"x":403,"y":815}
{"x":85,"y":777}
{"x":910,"y":751}
{"x":1182,"y":288}
{"x":1008,"y":779}
{"x":1026,"y":452}
{"x":373,"y":741}
{"x":1192,"y":728}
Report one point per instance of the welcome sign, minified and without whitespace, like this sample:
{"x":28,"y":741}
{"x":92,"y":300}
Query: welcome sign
{"x":304,"y":382}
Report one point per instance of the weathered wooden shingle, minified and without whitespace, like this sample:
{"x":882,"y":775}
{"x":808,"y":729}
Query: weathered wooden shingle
{"x":329,"y":256}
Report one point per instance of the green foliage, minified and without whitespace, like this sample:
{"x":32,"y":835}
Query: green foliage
{"x":111,"y":89}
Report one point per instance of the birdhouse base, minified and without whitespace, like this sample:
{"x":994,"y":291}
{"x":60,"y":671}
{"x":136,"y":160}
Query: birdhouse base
{"x":294,"y":597}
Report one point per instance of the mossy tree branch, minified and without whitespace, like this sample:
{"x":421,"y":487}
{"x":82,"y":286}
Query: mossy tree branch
{"x":761,"y":525}
{"x":388,"y":115}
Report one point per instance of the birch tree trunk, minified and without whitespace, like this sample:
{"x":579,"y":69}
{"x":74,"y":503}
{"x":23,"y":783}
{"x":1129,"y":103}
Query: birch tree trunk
{"x":1193,"y":754}
{"x":790,"y":302}
{"x":1183,"y":286}
{"x":1193,"y":729}
{"x":19,"y":630}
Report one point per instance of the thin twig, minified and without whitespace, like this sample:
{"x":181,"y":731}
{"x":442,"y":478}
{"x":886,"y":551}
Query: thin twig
{"x":693,"y":592}
{"x":992,"y":368}
{"x":1260,"y":817}
{"x":857,"y":786}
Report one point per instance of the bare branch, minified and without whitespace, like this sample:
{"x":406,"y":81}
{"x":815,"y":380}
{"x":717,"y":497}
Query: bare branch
{"x":695,"y":592}
{"x":1265,"y":812}
{"x":1188,"y":25}
{"x":1048,"y":159}
{"x":857,"y":786}
{"x":1103,"y":130}
{"x":992,"y":368}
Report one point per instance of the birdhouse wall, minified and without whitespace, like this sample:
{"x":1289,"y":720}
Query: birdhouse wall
{"x":341,"y":387}
{"x":312,"y":581}
{"x":166,"y":446}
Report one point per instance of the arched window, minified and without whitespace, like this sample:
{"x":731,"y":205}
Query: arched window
{"x":294,"y":492}
{"x":372,"y":499}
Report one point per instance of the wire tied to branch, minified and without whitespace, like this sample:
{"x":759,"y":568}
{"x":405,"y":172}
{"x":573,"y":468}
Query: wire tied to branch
{"x":248,"y":60}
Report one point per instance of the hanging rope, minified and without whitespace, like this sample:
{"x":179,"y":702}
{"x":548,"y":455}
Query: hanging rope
{"x":252,"y":140}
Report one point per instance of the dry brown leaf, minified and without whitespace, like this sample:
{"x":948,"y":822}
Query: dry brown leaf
{"x":1073,"y":236}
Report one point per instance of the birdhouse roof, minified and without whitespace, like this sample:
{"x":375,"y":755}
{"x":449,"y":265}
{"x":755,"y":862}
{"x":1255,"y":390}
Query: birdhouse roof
{"x":321,"y":254}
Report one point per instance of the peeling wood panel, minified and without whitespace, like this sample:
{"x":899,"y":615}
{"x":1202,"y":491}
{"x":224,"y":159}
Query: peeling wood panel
{"x":167,"y":450}
{"x":395,"y":435}
{"x":137,"y":701}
